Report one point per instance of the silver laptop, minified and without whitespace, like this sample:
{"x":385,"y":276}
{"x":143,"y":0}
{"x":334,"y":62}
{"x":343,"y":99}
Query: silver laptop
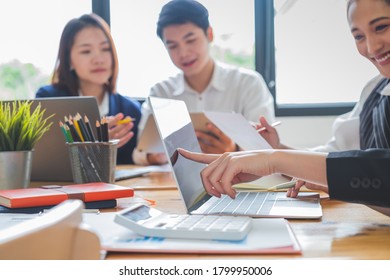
{"x":51,"y":157}
{"x":149,"y":140}
{"x":176,"y":130}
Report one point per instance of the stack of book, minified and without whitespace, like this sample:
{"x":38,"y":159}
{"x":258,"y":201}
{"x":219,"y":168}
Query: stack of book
{"x":34,"y":200}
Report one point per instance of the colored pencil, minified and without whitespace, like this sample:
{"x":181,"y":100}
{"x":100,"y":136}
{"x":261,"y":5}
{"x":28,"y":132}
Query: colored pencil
{"x":99,"y":131}
{"x":73,"y":131}
{"x":105,"y":129}
{"x":82,"y":127}
{"x":89,"y":129}
{"x":77,"y":127}
{"x":64,"y":131}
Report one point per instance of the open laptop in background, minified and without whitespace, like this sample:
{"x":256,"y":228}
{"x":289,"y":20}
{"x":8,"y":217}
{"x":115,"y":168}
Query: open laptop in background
{"x":234,"y":125}
{"x":51,"y":157}
{"x":176,"y":130}
{"x":149,"y":141}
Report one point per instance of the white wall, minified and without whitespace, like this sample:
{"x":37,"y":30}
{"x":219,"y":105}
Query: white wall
{"x":305,"y":132}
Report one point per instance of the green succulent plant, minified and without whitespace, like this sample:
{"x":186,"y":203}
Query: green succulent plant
{"x":21,"y":128}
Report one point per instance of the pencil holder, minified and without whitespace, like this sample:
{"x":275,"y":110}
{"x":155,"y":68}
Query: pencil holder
{"x":93,"y":161}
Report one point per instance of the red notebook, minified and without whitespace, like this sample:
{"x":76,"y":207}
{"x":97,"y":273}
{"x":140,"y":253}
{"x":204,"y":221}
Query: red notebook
{"x":52,"y":195}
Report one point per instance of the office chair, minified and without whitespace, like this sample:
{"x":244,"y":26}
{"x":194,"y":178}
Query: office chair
{"x":56,"y":235}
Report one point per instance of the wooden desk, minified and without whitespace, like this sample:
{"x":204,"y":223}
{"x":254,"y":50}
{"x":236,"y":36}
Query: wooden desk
{"x":346,"y":230}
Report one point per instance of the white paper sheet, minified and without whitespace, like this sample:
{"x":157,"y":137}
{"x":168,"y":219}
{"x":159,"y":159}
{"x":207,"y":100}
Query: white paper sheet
{"x":236,"y":127}
{"x":267,"y":236}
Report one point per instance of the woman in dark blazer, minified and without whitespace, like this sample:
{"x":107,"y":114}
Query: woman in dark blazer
{"x":87,"y":65}
{"x":354,"y":176}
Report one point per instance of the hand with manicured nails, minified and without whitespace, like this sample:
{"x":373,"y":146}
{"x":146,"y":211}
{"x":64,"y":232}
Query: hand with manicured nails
{"x":224,"y":171}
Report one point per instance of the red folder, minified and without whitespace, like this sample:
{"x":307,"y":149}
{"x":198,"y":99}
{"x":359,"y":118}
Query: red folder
{"x":52,"y":195}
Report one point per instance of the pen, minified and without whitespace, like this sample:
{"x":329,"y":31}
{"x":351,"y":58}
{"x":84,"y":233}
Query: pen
{"x":97,"y":211}
{"x":282,"y":186}
{"x":273,"y":125}
{"x":125,"y":120}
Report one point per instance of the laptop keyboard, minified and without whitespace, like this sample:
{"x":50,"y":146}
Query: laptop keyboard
{"x":245,"y":203}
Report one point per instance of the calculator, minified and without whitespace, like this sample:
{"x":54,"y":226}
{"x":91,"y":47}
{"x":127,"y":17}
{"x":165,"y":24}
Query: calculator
{"x":149,"y":221}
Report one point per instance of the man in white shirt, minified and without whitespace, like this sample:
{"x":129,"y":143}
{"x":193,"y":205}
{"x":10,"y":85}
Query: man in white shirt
{"x":203,"y":84}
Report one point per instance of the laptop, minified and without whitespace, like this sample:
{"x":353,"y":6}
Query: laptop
{"x":149,"y":141}
{"x":51,"y":157}
{"x":176,"y":130}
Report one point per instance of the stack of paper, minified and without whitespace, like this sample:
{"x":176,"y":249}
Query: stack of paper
{"x":268,"y":236}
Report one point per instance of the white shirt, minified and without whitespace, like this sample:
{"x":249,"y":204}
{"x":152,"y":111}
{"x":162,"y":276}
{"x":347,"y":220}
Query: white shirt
{"x":104,"y":107}
{"x":346,"y":135}
{"x":231,"y":89}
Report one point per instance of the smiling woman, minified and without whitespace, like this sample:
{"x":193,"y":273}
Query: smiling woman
{"x":87,"y":64}
{"x":370,"y":26}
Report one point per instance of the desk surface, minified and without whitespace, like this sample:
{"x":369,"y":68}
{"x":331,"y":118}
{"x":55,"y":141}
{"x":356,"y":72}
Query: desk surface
{"x":346,"y":230}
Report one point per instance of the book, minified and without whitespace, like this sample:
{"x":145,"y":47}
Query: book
{"x":101,"y":204}
{"x":53,"y":195}
{"x":267,"y":236}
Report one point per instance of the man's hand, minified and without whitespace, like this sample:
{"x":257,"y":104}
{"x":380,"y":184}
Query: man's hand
{"x":214,"y":141}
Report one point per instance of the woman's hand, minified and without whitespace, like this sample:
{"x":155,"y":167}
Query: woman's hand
{"x":120,"y":131}
{"x":293,"y":192}
{"x":224,"y":171}
{"x":269,"y":133}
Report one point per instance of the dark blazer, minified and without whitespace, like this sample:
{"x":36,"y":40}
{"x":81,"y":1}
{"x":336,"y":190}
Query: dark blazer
{"x":360,"y":176}
{"x":118,"y":104}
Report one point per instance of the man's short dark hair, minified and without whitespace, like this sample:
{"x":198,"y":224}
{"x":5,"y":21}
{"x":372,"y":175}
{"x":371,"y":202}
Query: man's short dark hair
{"x":181,"y":12}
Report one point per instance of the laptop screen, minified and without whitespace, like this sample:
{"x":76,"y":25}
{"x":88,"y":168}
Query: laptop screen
{"x":176,"y":130}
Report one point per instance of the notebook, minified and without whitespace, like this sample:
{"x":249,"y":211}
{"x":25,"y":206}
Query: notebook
{"x":176,"y":130}
{"x":51,"y":158}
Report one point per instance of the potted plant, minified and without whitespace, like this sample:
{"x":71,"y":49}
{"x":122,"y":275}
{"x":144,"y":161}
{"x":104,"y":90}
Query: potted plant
{"x":20,"y":129}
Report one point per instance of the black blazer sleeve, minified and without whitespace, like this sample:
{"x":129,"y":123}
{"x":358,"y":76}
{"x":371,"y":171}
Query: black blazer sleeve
{"x":360,"y":176}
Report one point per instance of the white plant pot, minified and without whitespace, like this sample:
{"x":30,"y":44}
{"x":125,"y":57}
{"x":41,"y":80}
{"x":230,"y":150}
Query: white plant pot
{"x":15,"y":169}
